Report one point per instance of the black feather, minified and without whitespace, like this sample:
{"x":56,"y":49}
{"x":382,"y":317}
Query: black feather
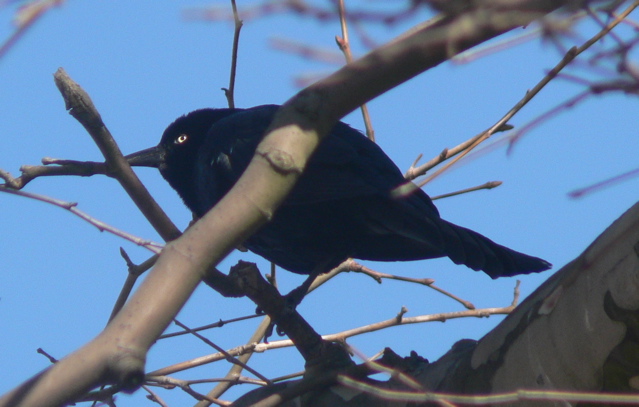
{"x":342,"y":205}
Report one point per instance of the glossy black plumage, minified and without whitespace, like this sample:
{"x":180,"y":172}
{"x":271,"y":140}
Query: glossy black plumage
{"x":341,"y":206}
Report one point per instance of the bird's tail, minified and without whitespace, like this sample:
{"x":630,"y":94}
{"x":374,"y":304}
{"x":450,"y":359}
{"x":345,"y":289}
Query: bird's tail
{"x":480,"y":253}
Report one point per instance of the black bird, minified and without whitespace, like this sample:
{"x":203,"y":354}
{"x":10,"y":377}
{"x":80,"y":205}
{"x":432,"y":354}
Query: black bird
{"x":342,"y":205}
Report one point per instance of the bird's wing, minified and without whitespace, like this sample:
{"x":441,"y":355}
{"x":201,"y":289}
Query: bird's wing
{"x":349,"y":165}
{"x":345,"y":165}
{"x":229,"y":147}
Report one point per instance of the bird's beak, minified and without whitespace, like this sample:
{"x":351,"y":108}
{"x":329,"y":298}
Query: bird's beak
{"x":151,"y":157}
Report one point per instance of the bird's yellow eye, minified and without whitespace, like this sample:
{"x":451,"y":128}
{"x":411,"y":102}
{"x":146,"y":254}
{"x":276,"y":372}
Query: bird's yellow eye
{"x":181,"y":139}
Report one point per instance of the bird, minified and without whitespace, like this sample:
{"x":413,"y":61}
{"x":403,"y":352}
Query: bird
{"x":344,"y":204}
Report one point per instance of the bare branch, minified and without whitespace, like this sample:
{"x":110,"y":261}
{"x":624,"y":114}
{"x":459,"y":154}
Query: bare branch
{"x":252,"y":347}
{"x":581,"y":192}
{"x":230,"y":358}
{"x":414,"y":172}
{"x":242,"y":356}
{"x":487,"y":185}
{"x":101,"y":226}
{"x":492,"y":399}
{"x":45,"y":354}
{"x":80,"y":106}
{"x":28,"y":15}
{"x":345,"y":46}
{"x":218,"y":324}
{"x":185,"y":385}
{"x":469,"y":145}
{"x":350,"y":265}
{"x":61,"y":167}
{"x":568,"y":58}
{"x":134,"y":271}
{"x":230,"y":92}
{"x":154,"y":397}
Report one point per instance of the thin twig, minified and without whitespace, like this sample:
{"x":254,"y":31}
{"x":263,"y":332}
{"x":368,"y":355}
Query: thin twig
{"x":244,"y":357}
{"x":414,"y":172}
{"x":26,"y":18}
{"x":154,"y":396}
{"x":519,"y":133}
{"x":185,"y":385}
{"x":516,"y":294}
{"x":567,"y":59}
{"x":510,"y":398}
{"x":230,"y":92}
{"x":337,"y":337}
{"x":81,"y":107}
{"x":469,"y":145}
{"x":345,"y":46}
{"x":288,"y":376}
{"x":351,"y":265}
{"x":101,"y":226}
{"x":374,"y":366}
{"x":487,"y":185}
{"x":228,"y":356}
{"x":64,"y":167}
{"x":134,"y":272}
{"x":249,"y":348}
{"x":218,"y":324}
{"x":581,"y":192}
{"x":45,"y":354}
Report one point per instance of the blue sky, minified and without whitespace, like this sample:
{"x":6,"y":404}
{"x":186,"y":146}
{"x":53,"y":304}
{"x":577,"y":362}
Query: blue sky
{"x":144,"y":65}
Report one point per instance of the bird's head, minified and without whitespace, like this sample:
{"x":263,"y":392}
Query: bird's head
{"x":177,"y":152}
